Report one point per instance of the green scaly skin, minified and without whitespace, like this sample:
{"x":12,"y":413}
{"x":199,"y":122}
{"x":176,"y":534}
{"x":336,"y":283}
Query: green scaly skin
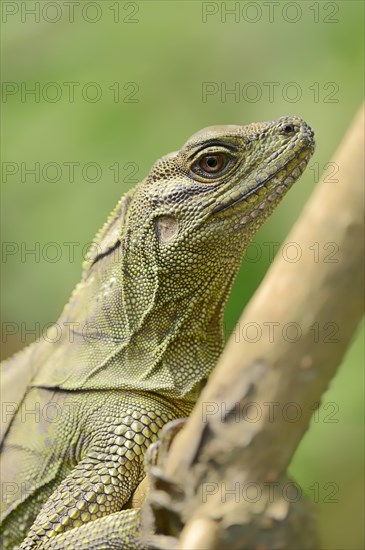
{"x":139,"y":336}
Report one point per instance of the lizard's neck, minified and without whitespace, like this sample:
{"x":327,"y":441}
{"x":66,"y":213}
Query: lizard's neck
{"x":175,"y":344}
{"x":152,"y":334}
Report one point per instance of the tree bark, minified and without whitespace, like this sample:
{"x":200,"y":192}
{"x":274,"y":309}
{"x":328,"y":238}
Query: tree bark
{"x":259,"y":400}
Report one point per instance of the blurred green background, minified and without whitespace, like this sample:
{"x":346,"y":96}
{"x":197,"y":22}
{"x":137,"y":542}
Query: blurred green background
{"x":146,"y":75}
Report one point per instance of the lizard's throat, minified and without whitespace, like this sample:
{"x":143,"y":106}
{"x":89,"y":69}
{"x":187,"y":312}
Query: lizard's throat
{"x":179,"y":341}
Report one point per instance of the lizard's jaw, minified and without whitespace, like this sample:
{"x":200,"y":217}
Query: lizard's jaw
{"x":271,"y":186}
{"x":266,"y":201}
{"x":273,"y":179}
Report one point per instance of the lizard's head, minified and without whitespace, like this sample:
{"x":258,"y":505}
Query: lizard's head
{"x":186,"y":228}
{"x":205,"y":202}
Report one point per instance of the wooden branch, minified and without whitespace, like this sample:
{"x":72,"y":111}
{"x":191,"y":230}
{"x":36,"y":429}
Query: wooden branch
{"x":259,"y":400}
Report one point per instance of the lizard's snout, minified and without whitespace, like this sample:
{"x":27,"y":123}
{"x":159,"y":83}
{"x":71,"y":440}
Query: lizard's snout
{"x":296,"y":127}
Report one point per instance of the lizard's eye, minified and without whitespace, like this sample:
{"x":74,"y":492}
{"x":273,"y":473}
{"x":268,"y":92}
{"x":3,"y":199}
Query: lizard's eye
{"x":211,"y":165}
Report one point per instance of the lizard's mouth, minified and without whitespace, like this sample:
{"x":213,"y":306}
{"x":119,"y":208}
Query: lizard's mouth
{"x":281,"y":181}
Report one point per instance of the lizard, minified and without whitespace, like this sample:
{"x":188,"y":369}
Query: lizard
{"x":140,"y":336}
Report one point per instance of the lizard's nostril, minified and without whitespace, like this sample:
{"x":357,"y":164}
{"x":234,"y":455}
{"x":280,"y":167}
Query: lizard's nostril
{"x":289,"y":128}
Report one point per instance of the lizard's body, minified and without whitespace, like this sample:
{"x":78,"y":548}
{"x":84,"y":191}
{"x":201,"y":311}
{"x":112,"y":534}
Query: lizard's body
{"x":139,"y":336}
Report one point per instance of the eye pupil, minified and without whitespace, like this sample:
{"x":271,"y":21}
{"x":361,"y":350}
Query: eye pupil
{"x":212,"y":162}
{"x":211,"y":165}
